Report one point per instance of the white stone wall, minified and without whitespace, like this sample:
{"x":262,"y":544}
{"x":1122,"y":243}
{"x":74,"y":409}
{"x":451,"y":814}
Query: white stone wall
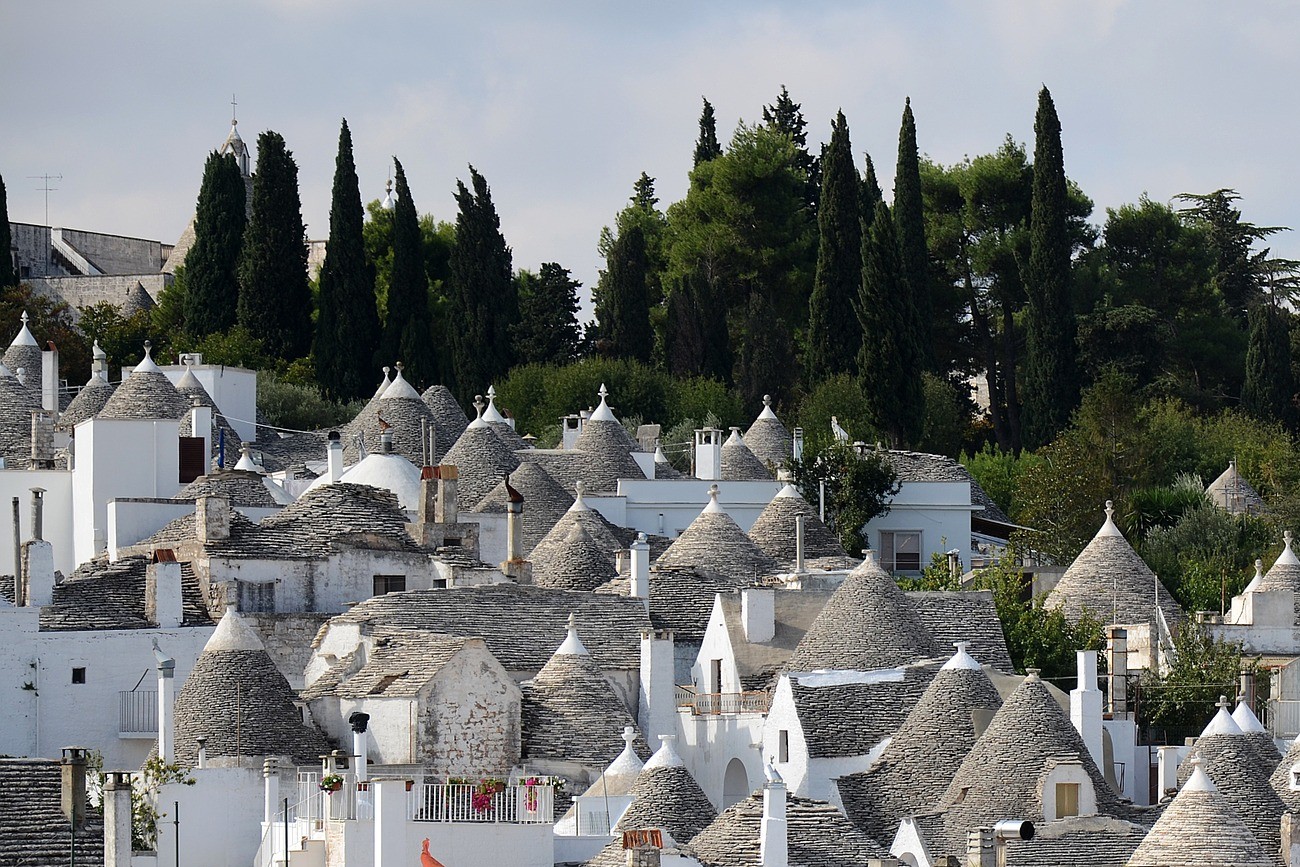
{"x":469,"y":717}
{"x":680,"y":502}
{"x":716,"y":645}
{"x":707,"y":743}
{"x":220,"y":818}
{"x":57,"y":521}
{"x":939,"y":510}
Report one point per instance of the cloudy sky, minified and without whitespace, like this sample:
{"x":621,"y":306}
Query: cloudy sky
{"x":562,"y":105}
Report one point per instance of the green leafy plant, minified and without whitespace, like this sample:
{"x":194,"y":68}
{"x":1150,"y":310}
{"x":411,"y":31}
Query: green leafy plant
{"x":859,"y":487}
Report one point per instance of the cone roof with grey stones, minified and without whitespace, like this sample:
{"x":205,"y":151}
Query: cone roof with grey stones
{"x":33,"y":827}
{"x":774,"y":529}
{"x":768,"y":439}
{"x":1232,"y":493}
{"x":146,"y":393}
{"x":714,"y":541}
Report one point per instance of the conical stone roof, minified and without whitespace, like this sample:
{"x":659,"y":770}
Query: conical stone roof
{"x":1000,"y":775}
{"x":578,"y":563}
{"x":1233,"y":494}
{"x":767,"y":438}
{"x":402,"y":410}
{"x":1284,"y":575}
{"x":25,"y":353}
{"x":817,"y":835}
{"x":146,"y":394}
{"x":1199,"y":828}
{"x":607,"y":449}
{"x":938,"y":733}
{"x":193,"y":390}
{"x":867,"y":624}
{"x":545,"y":501}
{"x":1260,"y":739}
{"x":482,"y":459}
{"x":774,"y":529}
{"x":1109,"y":580}
{"x":1232,"y":762}
{"x":666,"y":796}
{"x":715,"y":542}
{"x":239,"y":701}
{"x":88,"y":402}
{"x":243,"y":488}
{"x":739,"y":463}
{"x":1282,"y":775}
{"x":503,"y":429}
{"x":136,"y":300}
{"x":601,"y":531}
{"x":448,"y":416}
{"x":570,"y":711}
{"x":16,"y":405}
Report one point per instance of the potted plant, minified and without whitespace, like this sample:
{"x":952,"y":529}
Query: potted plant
{"x":331,"y":783}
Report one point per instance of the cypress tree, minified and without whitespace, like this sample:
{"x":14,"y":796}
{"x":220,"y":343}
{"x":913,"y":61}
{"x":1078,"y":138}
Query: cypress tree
{"x":212,"y":265}
{"x":274,"y":296}
{"x":408,"y":328}
{"x":7,"y":275}
{"x":484,"y":303}
{"x":706,"y":146}
{"x":766,"y":356}
{"x":623,"y":310}
{"x":786,"y":115}
{"x":833,"y":336}
{"x":1269,"y":389}
{"x":695,"y":337}
{"x":909,"y":223}
{"x":347,"y":324}
{"x":1050,"y":384}
{"x":889,"y":364}
{"x":869,"y":195}
{"x":547,"y":331}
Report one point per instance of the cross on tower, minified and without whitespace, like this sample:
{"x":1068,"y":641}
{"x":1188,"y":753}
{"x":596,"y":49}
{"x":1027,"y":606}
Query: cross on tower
{"x":234,"y":117}
{"x":45,"y":186}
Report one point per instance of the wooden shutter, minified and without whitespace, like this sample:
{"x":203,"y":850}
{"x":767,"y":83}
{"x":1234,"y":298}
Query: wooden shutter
{"x":194,"y":459}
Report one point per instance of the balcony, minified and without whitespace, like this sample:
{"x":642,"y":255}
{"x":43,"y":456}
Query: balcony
{"x":137,"y":714}
{"x":517,"y":804}
{"x":722,"y":703}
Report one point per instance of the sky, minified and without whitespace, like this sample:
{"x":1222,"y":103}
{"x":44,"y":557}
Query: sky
{"x":561,"y":106}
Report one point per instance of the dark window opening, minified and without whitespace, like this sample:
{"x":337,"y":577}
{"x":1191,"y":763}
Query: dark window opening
{"x":389,"y":584}
{"x":78,"y":675}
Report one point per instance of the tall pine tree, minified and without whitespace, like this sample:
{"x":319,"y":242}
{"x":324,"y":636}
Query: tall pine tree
{"x":547,"y":331}
{"x":483,"y":300}
{"x":623,"y":308}
{"x":347,"y":324}
{"x":786,"y":115}
{"x":1269,"y":389}
{"x":211,"y":295}
{"x":696,"y":342}
{"x":833,"y":336}
{"x":869,"y":195}
{"x":909,"y":223}
{"x":8,"y":277}
{"x":274,"y":296}
{"x":706,"y":146}
{"x":408,"y":328}
{"x":1050,"y":382}
{"x":889,"y":364}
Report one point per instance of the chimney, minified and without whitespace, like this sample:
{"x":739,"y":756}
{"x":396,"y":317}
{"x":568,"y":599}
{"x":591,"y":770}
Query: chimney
{"x":446,"y":511}
{"x":981,"y":850}
{"x":773,"y":843}
{"x":212,"y":519}
{"x":796,"y":444}
{"x":334,"y":457}
{"x":42,"y":439}
{"x":18,"y":555}
{"x":386,"y":441}
{"x":1166,"y":772}
{"x":117,"y":819}
{"x":201,"y":426}
{"x":73,"y":790}
{"x":50,"y":378}
{"x":38,"y":573}
{"x":38,"y":513}
{"x":758,"y":614}
{"x":1246,"y":693}
{"x":708,"y":454}
{"x":428,"y":496}
{"x":166,"y":695}
{"x":360,"y":744}
{"x":640,"y":569}
{"x":799,"y":566}
{"x":1117,"y":648}
{"x":1290,"y":840}
{"x":656,"y":704}
{"x":1085,"y":705}
{"x":270,"y":789}
{"x":162,"y":590}
{"x":514,"y":524}
{"x":201,"y":761}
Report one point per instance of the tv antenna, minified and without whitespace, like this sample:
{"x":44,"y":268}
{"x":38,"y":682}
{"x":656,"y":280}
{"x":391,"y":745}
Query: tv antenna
{"x":45,"y":186}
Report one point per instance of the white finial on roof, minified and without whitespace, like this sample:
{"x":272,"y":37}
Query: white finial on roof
{"x":666,"y":756}
{"x":660,"y":457}
{"x":735,"y":437}
{"x":772,"y":774}
{"x":383,"y":383}
{"x":1032,"y":676}
{"x":713,"y":505}
{"x":400,"y":388}
{"x":767,"y":409}
{"x":1258,"y":579}
{"x":97,"y":352}
{"x":572,"y":645}
{"x":1199,"y":781}
{"x":1287,"y":557}
{"x":628,"y":762}
{"x":24,"y":337}
{"x":579,"y":491}
{"x":147,"y":363}
{"x":491,"y":413}
{"x":1222,"y":723}
{"x":246,"y":458}
{"x":389,"y":199}
{"x":788,"y":491}
{"x":1245,"y":718}
{"x":232,"y":633}
{"x":602,"y":412}
{"x":962,"y":659}
{"x":1108,"y":528}
{"x":478,"y":421}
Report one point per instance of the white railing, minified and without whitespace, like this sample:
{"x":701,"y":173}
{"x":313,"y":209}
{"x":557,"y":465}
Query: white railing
{"x":1283,"y":718}
{"x":721,"y":703}
{"x":137,"y":712}
{"x":445,"y":802}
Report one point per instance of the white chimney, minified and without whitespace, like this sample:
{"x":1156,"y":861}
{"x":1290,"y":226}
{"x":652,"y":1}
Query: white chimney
{"x":758,"y":614}
{"x":773,"y":842}
{"x":212,"y":518}
{"x":360,"y":744}
{"x":50,"y":378}
{"x":270,"y":789}
{"x":708,"y":454}
{"x":117,"y":819}
{"x":334,"y":457}
{"x":1085,"y":705}
{"x":656,"y":703}
{"x":38,"y":573}
{"x":1166,"y":771}
{"x":162,"y":590}
{"x":201,"y":426}
{"x":640,"y":569}
{"x":166,"y":695}
{"x":391,"y":826}
{"x":799,"y":565}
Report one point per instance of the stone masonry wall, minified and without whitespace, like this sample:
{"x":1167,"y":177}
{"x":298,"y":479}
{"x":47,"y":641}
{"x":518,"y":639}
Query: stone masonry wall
{"x":470,"y":723}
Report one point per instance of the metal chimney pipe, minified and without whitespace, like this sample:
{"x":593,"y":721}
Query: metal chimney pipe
{"x":798,"y":544}
{"x":18,"y":557}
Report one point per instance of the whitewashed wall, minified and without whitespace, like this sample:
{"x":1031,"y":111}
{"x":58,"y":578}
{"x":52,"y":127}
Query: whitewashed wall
{"x":57,"y":521}
{"x":939,"y":510}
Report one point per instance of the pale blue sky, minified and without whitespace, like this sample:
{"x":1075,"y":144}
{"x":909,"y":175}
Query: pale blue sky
{"x":562,"y":105}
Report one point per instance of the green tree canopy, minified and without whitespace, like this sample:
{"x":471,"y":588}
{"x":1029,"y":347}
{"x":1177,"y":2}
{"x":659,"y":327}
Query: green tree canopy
{"x":408,"y":326}
{"x":547,"y":331}
{"x":706,"y":145}
{"x":8,"y":277}
{"x":212,"y":264}
{"x":833,"y":336}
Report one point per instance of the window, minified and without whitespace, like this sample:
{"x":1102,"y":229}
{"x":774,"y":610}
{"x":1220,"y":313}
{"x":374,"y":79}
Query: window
{"x":1067,"y":800}
{"x":256,"y":597}
{"x":78,"y":675}
{"x":715,"y":675}
{"x":783,"y":746}
{"x":389,"y":584}
{"x":900,"y":550}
